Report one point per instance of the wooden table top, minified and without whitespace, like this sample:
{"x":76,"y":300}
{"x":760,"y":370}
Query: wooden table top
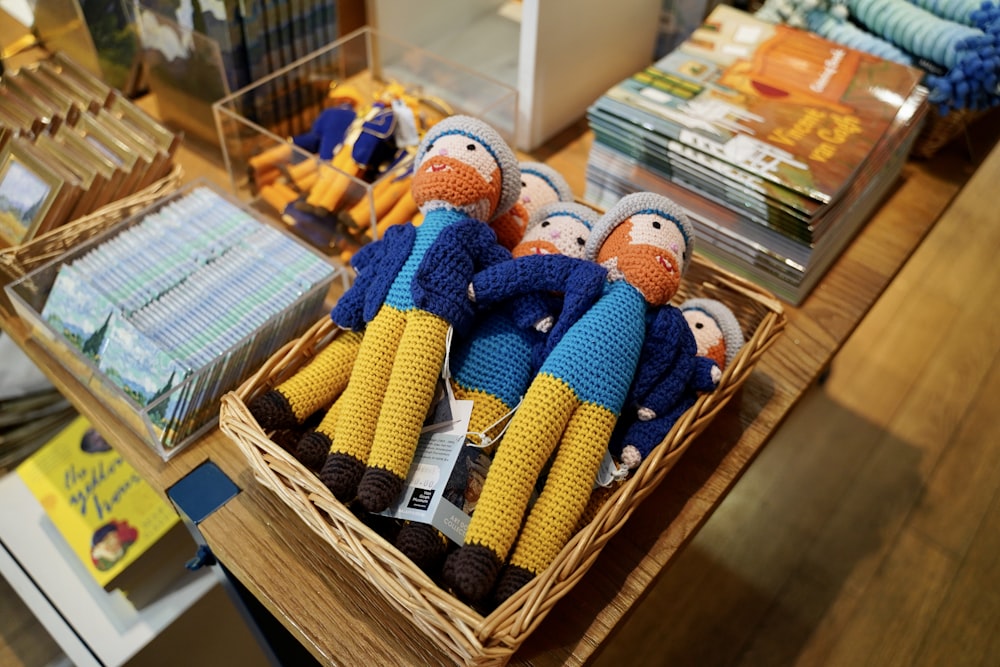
{"x":286,"y":566}
{"x":289,"y":569}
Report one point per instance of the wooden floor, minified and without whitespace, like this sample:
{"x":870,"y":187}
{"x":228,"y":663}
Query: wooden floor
{"x":867,"y":531}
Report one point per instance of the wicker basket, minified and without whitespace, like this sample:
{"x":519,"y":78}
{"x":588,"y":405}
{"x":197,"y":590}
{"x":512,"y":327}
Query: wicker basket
{"x":16,"y":262}
{"x":941,"y":129}
{"x":458,"y":630}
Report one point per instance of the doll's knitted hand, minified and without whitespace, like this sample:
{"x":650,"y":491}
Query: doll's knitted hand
{"x":645,"y":414}
{"x":631,"y":458}
{"x":470,"y":291}
{"x":716,"y":375}
{"x":544,"y":325}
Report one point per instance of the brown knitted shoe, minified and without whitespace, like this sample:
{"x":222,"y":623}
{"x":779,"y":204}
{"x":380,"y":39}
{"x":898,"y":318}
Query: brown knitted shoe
{"x":378,"y":489}
{"x":273,"y":411}
{"x":312,"y":450}
{"x":341,"y":474}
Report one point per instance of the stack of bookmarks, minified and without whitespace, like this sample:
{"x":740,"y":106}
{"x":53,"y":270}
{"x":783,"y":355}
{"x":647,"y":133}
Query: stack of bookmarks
{"x":778,"y":143}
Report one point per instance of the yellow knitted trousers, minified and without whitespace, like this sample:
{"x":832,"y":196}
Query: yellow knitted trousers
{"x":362,"y":398}
{"x":383,"y":408}
{"x":567,"y":489}
{"x":412,"y":384}
{"x":534,"y":432}
{"x":320,"y":381}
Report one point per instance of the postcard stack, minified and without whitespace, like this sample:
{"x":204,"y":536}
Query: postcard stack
{"x":778,"y":143}
{"x":175,"y":307}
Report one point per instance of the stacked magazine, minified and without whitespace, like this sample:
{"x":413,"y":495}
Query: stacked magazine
{"x":778,"y":143}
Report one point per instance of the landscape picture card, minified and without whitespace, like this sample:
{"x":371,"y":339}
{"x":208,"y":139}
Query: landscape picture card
{"x":29,"y":189}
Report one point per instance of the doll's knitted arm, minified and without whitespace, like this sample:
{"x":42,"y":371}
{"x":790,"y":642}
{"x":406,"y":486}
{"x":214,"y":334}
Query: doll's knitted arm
{"x":583,"y":284}
{"x":376,"y":264}
{"x":524,"y":275}
{"x":668,"y":338}
{"x":706,"y":375}
{"x":460,"y":251}
{"x":640,"y":437}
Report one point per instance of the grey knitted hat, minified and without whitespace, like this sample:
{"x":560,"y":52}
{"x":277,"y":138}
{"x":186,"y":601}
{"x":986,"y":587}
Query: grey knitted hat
{"x":732,"y":333}
{"x":510,"y":171}
{"x":555,"y":180}
{"x":581,"y":212}
{"x":641,"y":202}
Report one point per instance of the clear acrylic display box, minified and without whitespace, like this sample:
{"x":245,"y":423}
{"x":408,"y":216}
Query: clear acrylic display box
{"x":255,"y":125}
{"x":177,"y":412}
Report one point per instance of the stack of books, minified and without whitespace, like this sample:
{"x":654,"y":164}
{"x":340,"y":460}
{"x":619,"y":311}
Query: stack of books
{"x":778,"y":143}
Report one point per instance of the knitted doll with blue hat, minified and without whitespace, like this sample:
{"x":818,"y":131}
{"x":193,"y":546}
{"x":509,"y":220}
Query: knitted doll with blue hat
{"x":410,"y":295}
{"x":494,"y":365}
{"x":645,"y":242}
{"x":712,"y":339}
{"x":540,"y":185}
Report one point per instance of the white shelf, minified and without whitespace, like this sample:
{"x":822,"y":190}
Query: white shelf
{"x":91,"y":626}
{"x":560,"y":55}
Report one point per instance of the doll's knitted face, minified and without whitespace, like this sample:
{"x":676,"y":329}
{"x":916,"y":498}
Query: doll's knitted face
{"x":536,"y":192}
{"x":557,"y":234}
{"x":708,"y":335}
{"x":647,"y":251}
{"x":458,"y":171}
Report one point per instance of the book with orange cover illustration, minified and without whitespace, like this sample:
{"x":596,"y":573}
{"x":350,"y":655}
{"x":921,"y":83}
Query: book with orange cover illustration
{"x":780,"y":111}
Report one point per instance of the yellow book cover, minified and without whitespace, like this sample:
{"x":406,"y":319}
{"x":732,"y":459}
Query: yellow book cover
{"x":107,"y":513}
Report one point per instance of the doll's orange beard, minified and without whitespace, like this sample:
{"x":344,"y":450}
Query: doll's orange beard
{"x":717,"y":353}
{"x":458,"y":184}
{"x":535,"y":248}
{"x":510,"y":226}
{"x":653,"y":271}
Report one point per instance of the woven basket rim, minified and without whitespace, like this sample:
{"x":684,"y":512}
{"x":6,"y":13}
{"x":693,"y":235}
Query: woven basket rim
{"x":468,"y":636}
{"x":18,"y":261}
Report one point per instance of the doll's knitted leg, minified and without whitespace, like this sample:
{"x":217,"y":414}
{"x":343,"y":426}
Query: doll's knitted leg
{"x":313,"y":448}
{"x":360,"y":403}
{"x":424,"y":544}
{"x":534,"y":432}
{"x":313,"y":386}
{"x":563,"y":499}
{"x":408,"y":397}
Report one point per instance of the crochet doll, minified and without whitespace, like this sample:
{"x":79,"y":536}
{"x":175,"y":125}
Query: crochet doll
{"x":408,"y":300}
{"x":540,"y":185}
{"x":645,"y":242}
{"x":693,"y":365}
{"x":494,"y":365}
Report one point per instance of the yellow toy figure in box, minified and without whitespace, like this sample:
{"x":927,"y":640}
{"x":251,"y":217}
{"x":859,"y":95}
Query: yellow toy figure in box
{"x":410,"y":293}
{"x":645,"y":242}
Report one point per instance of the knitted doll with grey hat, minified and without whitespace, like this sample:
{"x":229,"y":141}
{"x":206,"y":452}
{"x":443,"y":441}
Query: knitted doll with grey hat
{"x":692,"y":364}
{"x":412,"y":293}
{"x":548,"y":279}
{"x":540,"y":185}
{"x":569,"y":411}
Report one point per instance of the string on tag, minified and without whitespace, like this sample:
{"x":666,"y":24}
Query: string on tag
{"x":483,"y":436}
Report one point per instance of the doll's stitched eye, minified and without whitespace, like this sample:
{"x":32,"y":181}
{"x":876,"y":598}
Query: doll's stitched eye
{"x":699,"y":325}
{"x":545,"y":223}
{"x":656,"y":224}
{"x":523,"y":184}
{"x":581,"y":241}
{"x":470,"y":147}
